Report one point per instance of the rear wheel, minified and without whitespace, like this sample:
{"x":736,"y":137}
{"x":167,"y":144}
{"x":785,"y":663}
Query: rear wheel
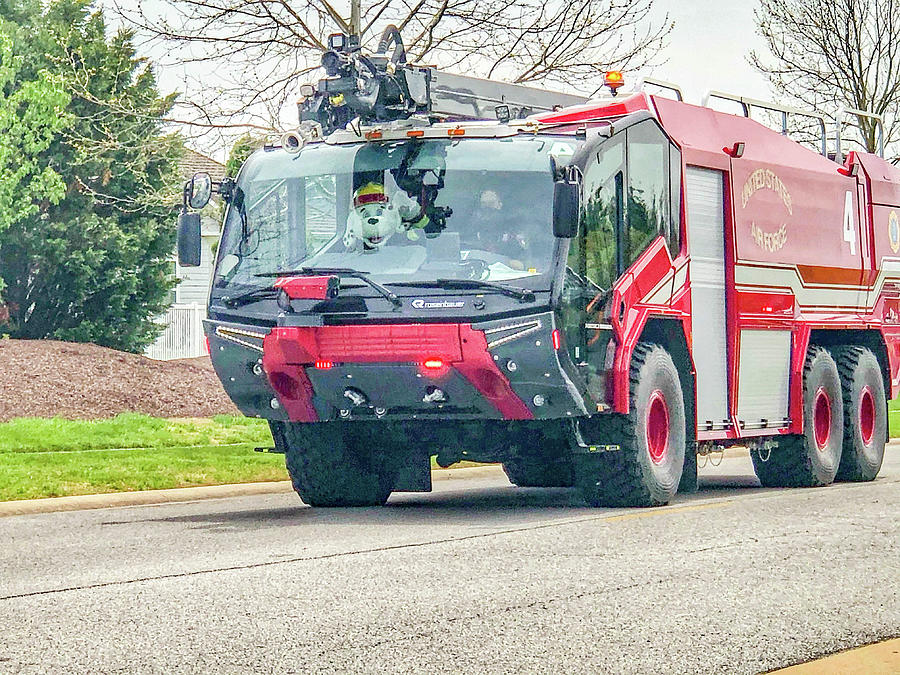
{"x":327,"y":469}
{"x":810,"y":459}
{"x":647,"y":468}
{"x":865,"y":413}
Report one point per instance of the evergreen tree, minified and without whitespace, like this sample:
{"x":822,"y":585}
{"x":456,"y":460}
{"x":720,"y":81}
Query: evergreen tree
{"x":31,"y":114}
{"x":95,"y":264}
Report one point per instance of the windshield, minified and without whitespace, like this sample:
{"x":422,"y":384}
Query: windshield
{"x":401,"y":211}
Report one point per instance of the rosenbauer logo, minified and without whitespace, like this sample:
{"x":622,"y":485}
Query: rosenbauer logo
{"x":419,"y":303}
{"x":766,"y":179}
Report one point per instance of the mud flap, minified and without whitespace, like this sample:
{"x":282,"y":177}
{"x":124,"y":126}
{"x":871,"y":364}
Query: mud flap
{"x":414,"y":475}
{"x":689,"y":480}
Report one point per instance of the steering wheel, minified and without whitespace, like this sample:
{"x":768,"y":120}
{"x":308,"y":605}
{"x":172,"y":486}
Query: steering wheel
{"x":475,"y":268}
{"x":248,"y":245}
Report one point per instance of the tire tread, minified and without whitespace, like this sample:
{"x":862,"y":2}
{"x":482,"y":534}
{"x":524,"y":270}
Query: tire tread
{"x":790,"y":463}
{"x":848,"y":358}
{"x":324,"y":474}
{"x":619,"y":478}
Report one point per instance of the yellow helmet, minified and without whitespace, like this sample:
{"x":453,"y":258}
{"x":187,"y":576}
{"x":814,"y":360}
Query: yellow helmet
{"x":369,"y":193}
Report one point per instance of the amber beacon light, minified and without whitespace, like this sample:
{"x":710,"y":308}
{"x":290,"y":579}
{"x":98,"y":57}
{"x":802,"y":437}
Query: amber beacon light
{"x":613,"y":79}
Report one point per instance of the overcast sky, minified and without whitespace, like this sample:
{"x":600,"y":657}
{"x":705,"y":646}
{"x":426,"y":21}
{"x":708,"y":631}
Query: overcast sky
{"x":709,"y":46}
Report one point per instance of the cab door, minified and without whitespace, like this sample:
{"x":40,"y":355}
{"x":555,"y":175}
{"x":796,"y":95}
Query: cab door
{"x":593,"y":264}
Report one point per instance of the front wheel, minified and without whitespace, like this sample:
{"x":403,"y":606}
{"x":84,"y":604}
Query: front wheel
{"x":327,"y":469}
{"x":647,"y":467}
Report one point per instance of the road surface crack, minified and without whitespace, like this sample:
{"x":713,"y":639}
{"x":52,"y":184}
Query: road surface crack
{"x":378,"y":549}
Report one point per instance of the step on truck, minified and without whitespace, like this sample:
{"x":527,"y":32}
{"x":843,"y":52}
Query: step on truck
{"x":591,"y":292}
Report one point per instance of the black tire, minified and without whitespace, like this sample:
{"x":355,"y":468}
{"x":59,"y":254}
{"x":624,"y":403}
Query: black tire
{"x":327,"y":470}
{"x":810,"y":459}
{"x":865,"y":413}
{"x":532,"y":471}
{"x":647,"y":468}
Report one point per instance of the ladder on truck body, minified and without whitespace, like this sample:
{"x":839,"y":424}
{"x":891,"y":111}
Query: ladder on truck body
{"x":465,"y":97}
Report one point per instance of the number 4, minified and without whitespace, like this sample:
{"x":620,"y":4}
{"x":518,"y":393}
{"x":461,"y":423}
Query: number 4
{"x":849,"y":227}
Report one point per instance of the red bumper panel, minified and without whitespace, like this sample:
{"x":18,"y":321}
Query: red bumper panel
{"x":288,"y":351}
{"x":289,"y":380}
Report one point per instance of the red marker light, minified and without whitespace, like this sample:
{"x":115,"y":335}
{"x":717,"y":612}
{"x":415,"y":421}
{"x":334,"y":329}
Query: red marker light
{"x":324,"y":365}
{"x":556,"y":339}
{"x":207,"y":344}
{"x":433,"y":364}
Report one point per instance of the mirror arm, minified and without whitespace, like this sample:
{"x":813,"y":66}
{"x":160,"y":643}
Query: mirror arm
{"x":225,"y":188}
{"x":186,"y":194}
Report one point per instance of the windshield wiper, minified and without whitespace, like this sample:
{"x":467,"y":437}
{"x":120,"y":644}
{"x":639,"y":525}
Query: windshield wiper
{"x":341,"y":272}
{"x":521,"y":294}
{"x":249,"y":297}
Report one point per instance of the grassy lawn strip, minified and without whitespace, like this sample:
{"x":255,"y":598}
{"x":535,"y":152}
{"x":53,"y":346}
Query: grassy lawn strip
{"x":129,"y":430}
{"x":58,"y":458}
{"x":31,"y":475}
{"x":37,"y":458}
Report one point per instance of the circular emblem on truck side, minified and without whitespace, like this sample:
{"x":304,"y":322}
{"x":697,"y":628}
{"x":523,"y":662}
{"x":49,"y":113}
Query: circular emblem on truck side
{"x":894,"y":231}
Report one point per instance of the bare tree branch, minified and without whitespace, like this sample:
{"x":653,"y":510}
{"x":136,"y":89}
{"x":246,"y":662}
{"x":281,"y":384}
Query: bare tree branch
{"x":828,"y":53}
{"x":262,"y":50}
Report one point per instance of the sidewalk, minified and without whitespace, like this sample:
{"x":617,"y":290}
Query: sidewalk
{"x":882,"y":658}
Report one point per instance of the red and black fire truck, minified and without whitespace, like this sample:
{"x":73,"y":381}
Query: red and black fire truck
{"x":593,"y":294}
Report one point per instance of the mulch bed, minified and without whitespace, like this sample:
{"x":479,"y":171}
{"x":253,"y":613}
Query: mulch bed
{"x":46,"y":378}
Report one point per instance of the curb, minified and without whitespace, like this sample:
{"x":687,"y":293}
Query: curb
{"x":149,"y":497}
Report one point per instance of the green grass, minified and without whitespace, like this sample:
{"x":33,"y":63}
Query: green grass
{"x":129,"y":430}
{"x":30,"y":475}
{"x":894,"y":418}
{"x":58,"y":458}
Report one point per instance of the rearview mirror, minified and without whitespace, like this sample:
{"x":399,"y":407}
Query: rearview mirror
{"x":566,"y":205}
{"x":189,"y":239}
{"x":200,"y":190}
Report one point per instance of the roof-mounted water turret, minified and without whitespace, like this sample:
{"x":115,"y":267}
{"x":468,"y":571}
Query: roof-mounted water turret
{"x":383,"y":87}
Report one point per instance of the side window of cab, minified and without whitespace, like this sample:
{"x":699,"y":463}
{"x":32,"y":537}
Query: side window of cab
{"x":654,"y":191}
{"x":603,"y":178}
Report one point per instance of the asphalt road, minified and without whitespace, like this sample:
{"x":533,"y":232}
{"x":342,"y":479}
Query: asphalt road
{"x":478,"y":576}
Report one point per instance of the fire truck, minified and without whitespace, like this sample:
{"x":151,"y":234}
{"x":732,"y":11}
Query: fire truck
{"x":591,"y":292}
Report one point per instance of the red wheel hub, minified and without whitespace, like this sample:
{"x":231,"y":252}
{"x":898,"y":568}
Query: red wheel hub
{"x":822,"y":418}
{"x":866,"y":416}
{"x":657,"y":427}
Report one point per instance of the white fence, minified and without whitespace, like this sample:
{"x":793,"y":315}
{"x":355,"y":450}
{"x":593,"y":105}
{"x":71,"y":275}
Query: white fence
{"x":183,"y":337}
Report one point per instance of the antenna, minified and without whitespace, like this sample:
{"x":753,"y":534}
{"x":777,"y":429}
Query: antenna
{"x":355,"y":24}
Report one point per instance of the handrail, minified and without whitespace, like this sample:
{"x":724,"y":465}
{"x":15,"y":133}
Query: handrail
{"x":747,"y":104}
{"x":662,"y":84}
{"x":839,"y":120}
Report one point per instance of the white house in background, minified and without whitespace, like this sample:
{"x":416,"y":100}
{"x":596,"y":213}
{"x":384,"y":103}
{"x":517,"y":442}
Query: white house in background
{"x":183,"y":337}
